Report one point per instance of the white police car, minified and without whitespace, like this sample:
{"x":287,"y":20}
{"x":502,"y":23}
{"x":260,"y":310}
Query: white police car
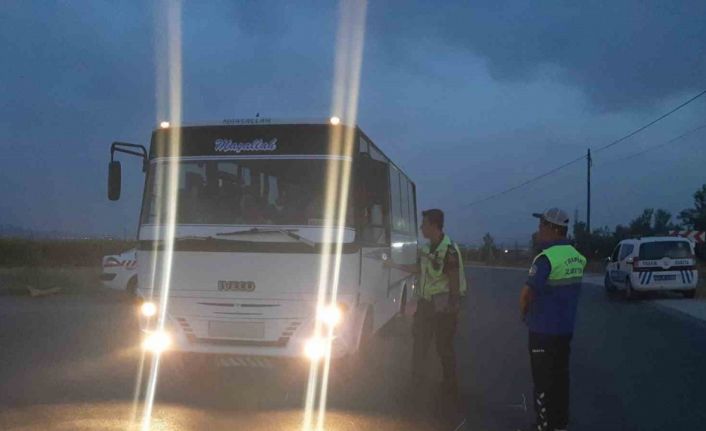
{"x":652,"y":264}
{"x":120,"y":271}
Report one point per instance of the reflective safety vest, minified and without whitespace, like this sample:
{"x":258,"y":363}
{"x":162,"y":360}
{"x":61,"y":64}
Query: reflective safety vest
{"x":434,"y":280}
{"x":567,"y":265}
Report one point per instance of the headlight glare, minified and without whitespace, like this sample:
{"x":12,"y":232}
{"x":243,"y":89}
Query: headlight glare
{"x":157,"y":342}
{"x":331,"y":315}
{"x":148,"y":309}
{"x":315,"y":348}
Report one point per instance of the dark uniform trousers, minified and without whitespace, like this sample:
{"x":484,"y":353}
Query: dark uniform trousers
{"x":429,"y":324}
{"x":549,"y":358}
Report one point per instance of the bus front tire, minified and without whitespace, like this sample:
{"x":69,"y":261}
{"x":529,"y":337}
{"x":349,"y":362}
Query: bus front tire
{"x":131,"y":287}
{"x":354,"y":363}
{"x":403,"y":301}
{"x":366,"y":337}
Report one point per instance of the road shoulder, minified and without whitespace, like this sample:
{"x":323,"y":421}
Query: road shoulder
{"x":692,"y":309}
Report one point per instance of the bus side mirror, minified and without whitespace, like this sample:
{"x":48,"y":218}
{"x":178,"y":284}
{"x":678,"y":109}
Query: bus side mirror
{"x":114,"y":180}
{"x":608,"y":259}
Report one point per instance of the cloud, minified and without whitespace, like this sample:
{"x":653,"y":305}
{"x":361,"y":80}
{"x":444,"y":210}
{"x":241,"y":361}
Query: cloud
{"x":488,"y":95}
{"x":622,"y":54}
{"x":79,"y":76}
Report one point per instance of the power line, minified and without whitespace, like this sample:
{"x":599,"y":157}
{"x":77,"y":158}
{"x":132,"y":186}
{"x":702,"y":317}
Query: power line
{"x":648,"y":149}
{"x":538,"y":177}
{"x":611,"y":144}
{"x":635,"y":132}
{"x":654,"y":147}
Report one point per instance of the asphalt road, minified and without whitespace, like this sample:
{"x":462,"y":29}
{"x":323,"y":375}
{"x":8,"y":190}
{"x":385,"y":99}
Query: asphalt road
{"x":71,"y":363}
{"x":634,"y":366}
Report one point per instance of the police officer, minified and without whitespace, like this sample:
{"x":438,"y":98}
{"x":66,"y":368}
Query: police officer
{"x":442,"y":283}
{"x":548,"y":305}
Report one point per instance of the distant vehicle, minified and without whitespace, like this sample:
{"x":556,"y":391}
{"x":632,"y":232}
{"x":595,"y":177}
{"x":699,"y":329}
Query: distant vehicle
{"x":120,"y":271}
{"x":249,"y":233}
{"x":652,"y":264}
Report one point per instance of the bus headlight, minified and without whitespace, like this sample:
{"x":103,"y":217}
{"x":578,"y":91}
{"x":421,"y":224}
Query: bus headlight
{"x":315,"y":348}
{"x":331,"y":315}
{"x":157,"y":342}
{"x":148,"y":309}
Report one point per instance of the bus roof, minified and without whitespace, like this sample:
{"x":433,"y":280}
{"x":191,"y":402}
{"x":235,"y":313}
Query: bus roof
{"x":257,"y":121}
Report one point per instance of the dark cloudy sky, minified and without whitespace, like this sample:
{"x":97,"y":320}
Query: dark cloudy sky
{"x":469,"y":97}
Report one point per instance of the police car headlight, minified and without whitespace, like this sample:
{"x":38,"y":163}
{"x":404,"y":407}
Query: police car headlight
{"x":331,"y":315}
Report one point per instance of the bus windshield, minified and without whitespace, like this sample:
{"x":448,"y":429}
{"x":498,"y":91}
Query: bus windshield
{"x":242,"y":192}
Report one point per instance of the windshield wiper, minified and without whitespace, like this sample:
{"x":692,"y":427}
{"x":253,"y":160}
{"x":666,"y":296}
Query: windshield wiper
{"x":205,"y":238}
{"x":193,"y":237}
{"x":256,"y":230}
{"x":288,"y":232}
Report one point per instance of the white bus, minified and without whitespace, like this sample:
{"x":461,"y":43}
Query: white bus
{"x":248,"y":239}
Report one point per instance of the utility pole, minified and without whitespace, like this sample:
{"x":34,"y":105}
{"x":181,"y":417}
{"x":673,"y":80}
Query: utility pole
{"x":589,"y":163}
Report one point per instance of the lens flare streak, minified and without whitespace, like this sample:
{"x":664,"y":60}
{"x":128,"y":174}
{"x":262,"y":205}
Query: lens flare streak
{"x":347,"y":67}
{"x":170,"y":178}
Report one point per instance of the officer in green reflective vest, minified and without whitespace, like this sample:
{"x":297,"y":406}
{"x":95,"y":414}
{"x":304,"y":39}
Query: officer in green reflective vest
{"x":548,"y":304}
{"x":441,"y":285}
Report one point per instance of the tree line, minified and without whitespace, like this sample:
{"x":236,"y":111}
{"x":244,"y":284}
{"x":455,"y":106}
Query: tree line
{"x":600,"y":243}
{"x":651,"y":222}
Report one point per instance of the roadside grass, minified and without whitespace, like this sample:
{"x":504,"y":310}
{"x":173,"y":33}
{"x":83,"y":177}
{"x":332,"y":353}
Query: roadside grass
{"x":71,"y":280}
{"x":42,"y":253}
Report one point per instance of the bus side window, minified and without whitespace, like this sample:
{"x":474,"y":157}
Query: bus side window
{"x":411,"y":221}
{"x":396,"y":200}
{"x":371,"y":202}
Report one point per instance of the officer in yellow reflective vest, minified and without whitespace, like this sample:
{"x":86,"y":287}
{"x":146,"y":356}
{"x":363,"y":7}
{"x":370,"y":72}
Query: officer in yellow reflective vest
{"x":548,"y":305}
{"x":441,"y":285}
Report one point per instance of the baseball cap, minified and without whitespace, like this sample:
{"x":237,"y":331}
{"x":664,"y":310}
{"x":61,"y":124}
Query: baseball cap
{"x":554,"y":216}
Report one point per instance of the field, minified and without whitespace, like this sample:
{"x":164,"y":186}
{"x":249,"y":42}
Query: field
{"x":72,"y":266}
{"x":69,"y":280}
{"x":16,"y":252}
